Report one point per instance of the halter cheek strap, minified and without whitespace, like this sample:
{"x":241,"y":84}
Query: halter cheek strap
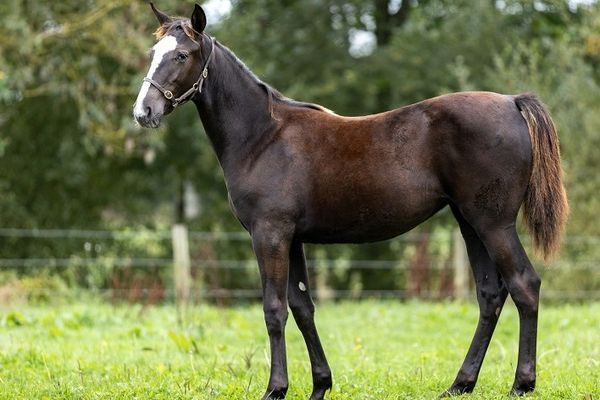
{"x":196,"y":87}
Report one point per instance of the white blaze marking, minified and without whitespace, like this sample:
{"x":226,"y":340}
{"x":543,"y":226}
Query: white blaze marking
{"x":165,"y":45}
{"x":302,"y":286}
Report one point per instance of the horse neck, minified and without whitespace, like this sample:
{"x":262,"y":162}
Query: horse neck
{"x":235,"y":110}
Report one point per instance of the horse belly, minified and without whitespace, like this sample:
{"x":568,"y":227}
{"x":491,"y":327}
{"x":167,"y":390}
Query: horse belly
{"x":374,"y":210}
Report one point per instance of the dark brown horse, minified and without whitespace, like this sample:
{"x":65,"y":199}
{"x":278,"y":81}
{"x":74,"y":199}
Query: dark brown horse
{"x":297,"y":173}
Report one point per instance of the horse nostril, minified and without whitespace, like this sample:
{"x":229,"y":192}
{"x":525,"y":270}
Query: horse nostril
{"x":148,"y":112}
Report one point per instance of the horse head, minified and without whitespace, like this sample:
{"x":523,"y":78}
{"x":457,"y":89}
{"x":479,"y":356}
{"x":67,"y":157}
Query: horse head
{"x":179,"y":65}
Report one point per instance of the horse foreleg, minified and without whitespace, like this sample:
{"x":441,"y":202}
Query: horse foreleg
{"x":303,"y":311}
{"x":271,"y":245}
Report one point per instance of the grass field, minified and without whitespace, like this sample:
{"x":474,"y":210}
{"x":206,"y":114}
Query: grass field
{"x":377,"y":350}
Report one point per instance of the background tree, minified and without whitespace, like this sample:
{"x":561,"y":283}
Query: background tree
{"x":71,"y":156}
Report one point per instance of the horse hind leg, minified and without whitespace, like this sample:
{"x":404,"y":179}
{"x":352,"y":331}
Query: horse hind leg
{"x":499,"y":236}
{"x":491,"y":295}
{"x":303,"y":311}
{"x":523,"y":284}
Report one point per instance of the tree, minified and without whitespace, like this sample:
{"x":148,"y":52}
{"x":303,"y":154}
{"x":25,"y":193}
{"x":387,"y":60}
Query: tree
{"x":70,"y":155}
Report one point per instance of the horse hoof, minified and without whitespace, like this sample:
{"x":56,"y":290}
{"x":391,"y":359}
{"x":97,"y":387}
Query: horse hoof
{"x":457,"y":390}
{"x":319,"y":394}
{"x":275,"y":394}
{"x":321,"y":386}
{"x":521,"y":390}
{"x":523,"y":387}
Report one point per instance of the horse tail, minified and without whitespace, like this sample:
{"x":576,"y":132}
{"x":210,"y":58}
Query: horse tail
{"x":545,"y":207}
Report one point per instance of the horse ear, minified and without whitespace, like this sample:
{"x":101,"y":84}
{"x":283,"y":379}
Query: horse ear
{"x":198,"y":19}
{"x":160,"y":16}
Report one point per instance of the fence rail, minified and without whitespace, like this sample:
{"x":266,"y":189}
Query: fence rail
{"x":585,"y":265}
{"x":451,"y":270}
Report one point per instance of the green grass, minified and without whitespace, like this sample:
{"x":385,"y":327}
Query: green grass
{"x":377,"y":350}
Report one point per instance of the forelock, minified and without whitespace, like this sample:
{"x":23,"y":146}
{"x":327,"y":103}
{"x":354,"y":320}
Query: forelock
{"x":185,"y":24}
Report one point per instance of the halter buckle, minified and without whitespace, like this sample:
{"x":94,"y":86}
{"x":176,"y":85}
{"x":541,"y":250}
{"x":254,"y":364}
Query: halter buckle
{"x":205,"y":73}
{"x":168,"y":94}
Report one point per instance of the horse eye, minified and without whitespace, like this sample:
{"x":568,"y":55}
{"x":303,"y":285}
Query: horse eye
{"x":181,"y":57}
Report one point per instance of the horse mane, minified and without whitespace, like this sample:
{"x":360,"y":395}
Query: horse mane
{"x":273,"y":93}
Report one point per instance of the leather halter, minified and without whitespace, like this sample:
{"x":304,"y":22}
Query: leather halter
{"x":196,"y":87}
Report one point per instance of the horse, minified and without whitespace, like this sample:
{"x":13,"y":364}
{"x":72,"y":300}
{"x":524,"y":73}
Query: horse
{"x":298,"y":173}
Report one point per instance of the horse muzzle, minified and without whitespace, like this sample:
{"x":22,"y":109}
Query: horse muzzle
{"x":146,"y":117}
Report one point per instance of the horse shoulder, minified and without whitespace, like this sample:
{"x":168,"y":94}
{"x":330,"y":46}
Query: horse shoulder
{"x":265,"y":186}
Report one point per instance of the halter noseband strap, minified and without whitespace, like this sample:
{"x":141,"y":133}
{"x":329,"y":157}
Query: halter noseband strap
{"x":196,"y":87}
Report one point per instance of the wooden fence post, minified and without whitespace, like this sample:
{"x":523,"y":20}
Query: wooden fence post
{"x":461,"y":266}
{"x":181,"y":262}
{"x":323,"y":291}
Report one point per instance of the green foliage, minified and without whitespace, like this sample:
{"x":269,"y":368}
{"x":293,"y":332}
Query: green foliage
{"x":41,"y":288}
{"x":377,"y":350}
{"x":185,"y":343}
{"x":561,"y":77}
{"x":70,"y":155}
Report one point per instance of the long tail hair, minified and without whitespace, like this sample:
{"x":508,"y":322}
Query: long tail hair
{"x":545,"y":207}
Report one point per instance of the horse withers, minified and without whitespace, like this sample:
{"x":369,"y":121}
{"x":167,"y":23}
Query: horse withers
{"x":297,"y":173}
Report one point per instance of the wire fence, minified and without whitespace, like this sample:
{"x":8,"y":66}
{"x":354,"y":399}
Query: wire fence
{"x":140,"y":265}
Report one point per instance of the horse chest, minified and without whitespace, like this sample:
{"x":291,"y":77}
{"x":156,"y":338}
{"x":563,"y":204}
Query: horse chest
{"x":235,"y":211}
{"x":253,"y":204}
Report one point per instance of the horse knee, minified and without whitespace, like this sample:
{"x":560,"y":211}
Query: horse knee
{"x":275,"y":317}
